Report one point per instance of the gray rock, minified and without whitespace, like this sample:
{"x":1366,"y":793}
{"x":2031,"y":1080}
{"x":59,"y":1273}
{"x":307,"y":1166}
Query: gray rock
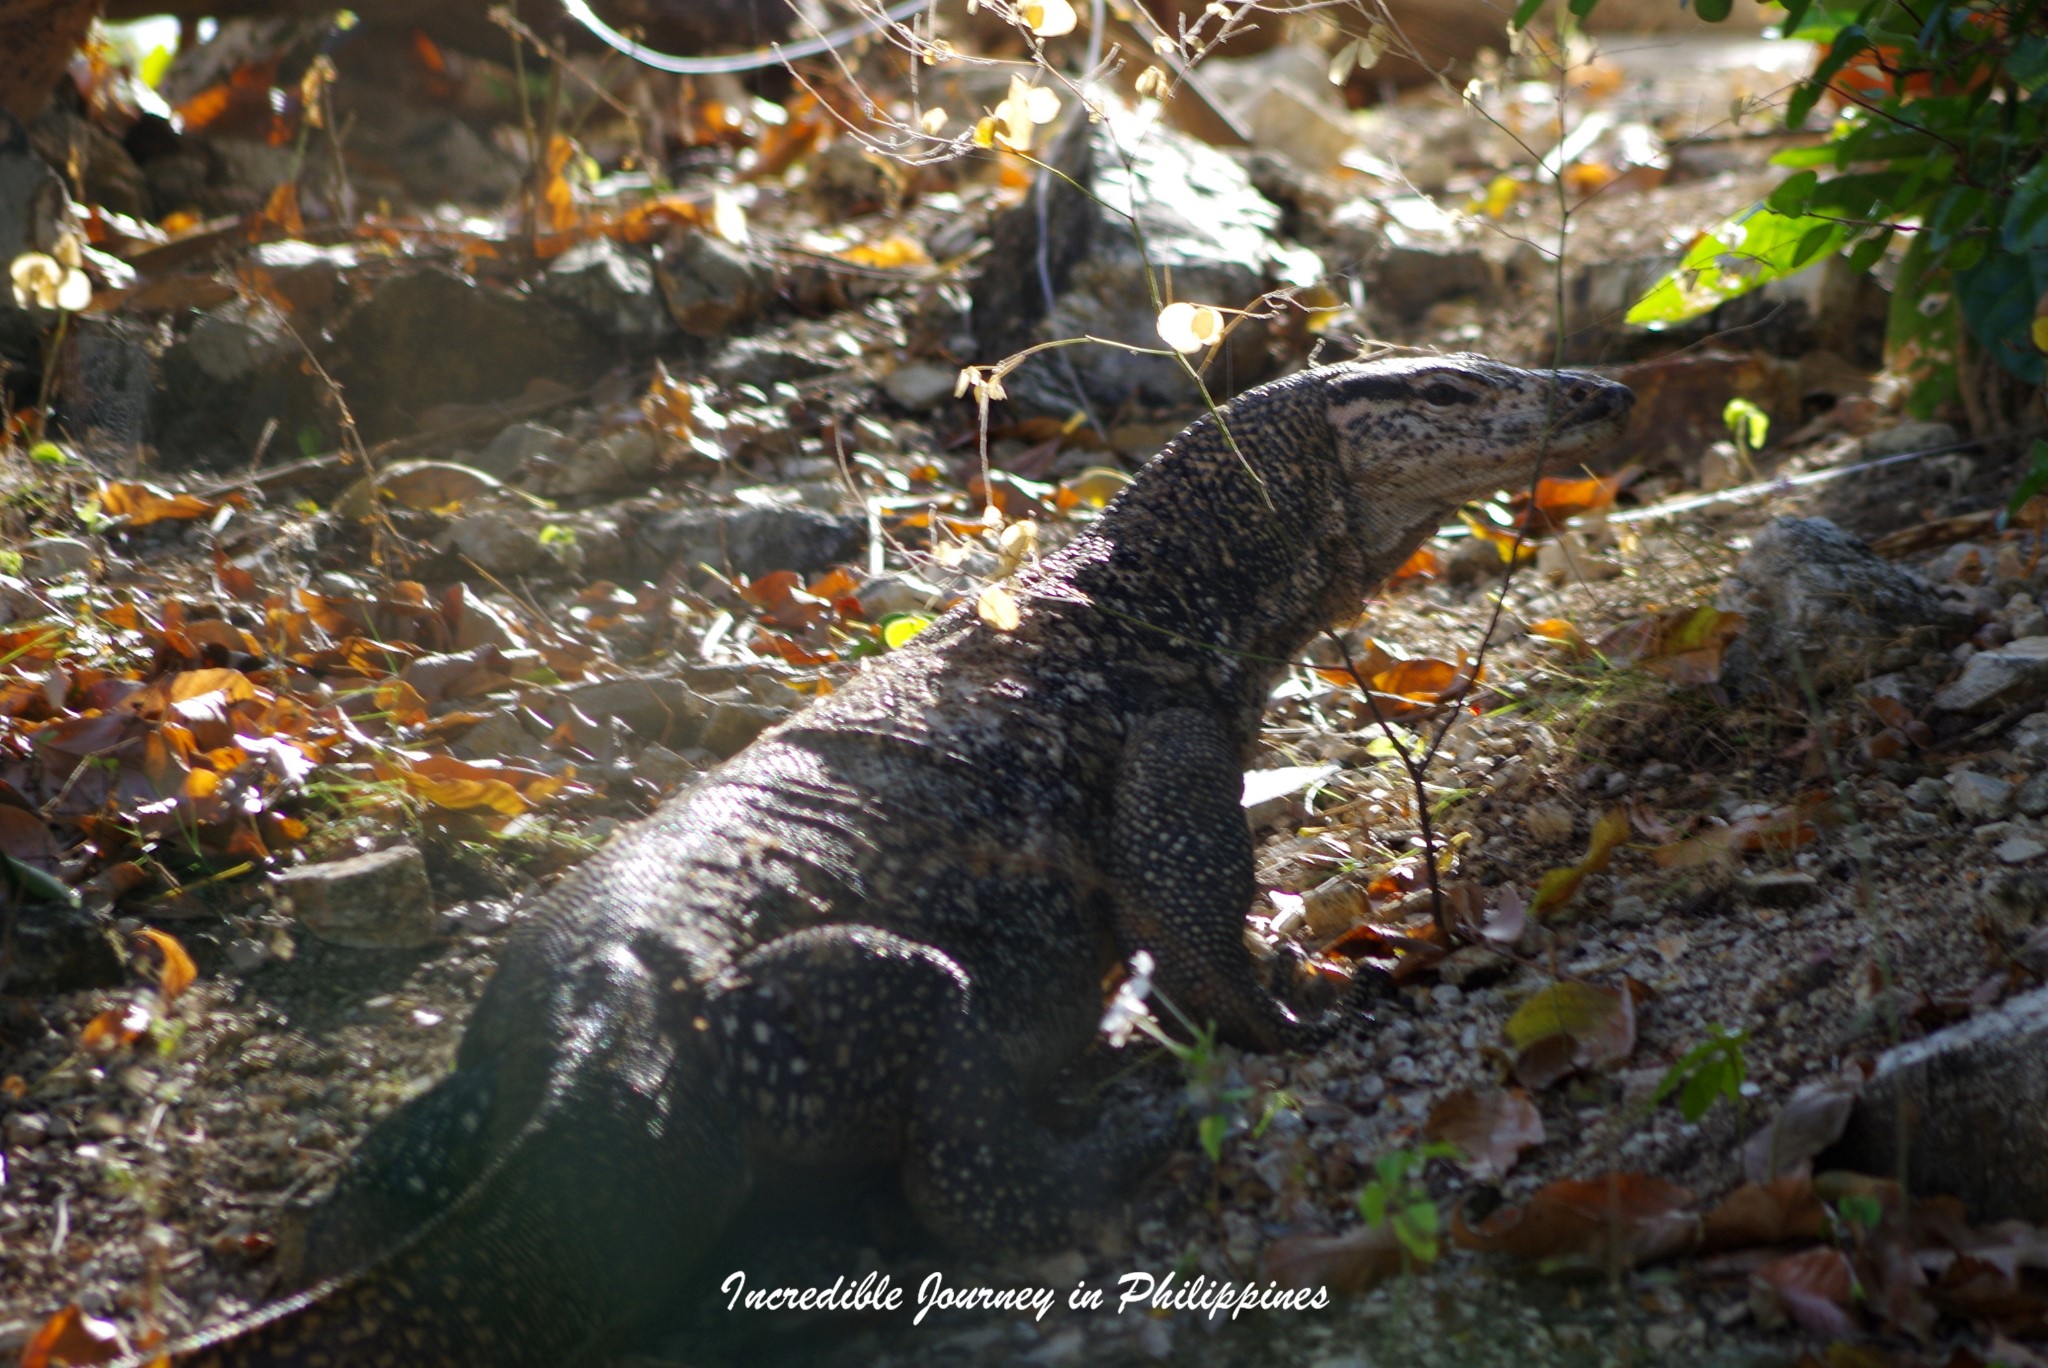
{"x":885,"y":595}
{"x":921,"y":386}
{"x":501,"y":541}
{"x":1897,"y":441}
{"x":34,"y":205}
{"x":430,"y":337}
{"x":1429,"y":255}
{"x":2000,"y":677}
{"x":1205,"y":228}
{"x":54,"y":557}
{"x":1970,"y":1105}
{"x":764,"y":362}
{"x":654,"y":708}
{"x":710,"y":286}
{"x":226,"y":380}
{"x":755,"y":539}
{"x":2018,"y":849}
{"x":1980,"y":797}
{"x":1822,"y":608}
{"x":611,"y":288}
{"x":1928,"y":794}
{"x":2031,"y":798}
{"x":733,"y":726}
{"x":505,"y":453}
{"x":617,"y":460}
{"x":376,"y":901}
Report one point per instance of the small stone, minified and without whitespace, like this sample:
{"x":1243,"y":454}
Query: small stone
{"x":1897,"y":441}
{"x":1928,"y":794}
{"x":1547,"y":823}
{"x":55,"y":557}
{"x":1999,"y":677}
{"x":663,"y":768}
{"x":246,"y":953}
{"x":1984,"y":797}
{"x":25,"y":1129}
{"x":885,"y":595}
{"x":921,"y":386}
{"x":372,"y":902}
{"x":518,"y":444}
{"x":2019,"y":850}
{"x":505,"y":544}
{"x":2031,"y":799}
{"x":733,"y":726}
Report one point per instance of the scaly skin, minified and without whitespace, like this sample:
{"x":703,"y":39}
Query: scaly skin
{"x":876,"y":933}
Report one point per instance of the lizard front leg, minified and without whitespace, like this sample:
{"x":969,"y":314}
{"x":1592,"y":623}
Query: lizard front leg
{"x":1181,"y":852}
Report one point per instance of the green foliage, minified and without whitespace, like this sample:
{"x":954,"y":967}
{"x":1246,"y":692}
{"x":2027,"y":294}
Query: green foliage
{"x":2034,"y":481}
{"x":1940,"y":140}
{"x":1750,"y":424}
{"x":1712,"y":1069}
{"x":1397,"y":1198}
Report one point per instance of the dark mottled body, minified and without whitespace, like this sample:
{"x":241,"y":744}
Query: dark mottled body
{"x":874,"y":934}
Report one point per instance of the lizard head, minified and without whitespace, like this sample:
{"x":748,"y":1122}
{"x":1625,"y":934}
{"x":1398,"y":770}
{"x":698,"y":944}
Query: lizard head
{"x":1425,"y":434}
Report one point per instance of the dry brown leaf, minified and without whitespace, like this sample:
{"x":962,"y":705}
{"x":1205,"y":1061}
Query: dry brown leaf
{"x":142,"y":505}
{"x":1568,"y":1027}
{"x":1490,"y":1129}
{"x":1813,"y":1287}
{"x":1812,"y":1119}
{"x":1351,"y":1262}
{"x":1560,"y":886}
{"x":1754,"y":1214}
{"x":1625,"y":1218}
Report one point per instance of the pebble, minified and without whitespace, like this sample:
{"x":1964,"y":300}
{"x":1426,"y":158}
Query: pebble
{"x":2020,"y":849}
{"x":921,"y":386}
{"x":1982,"y":796}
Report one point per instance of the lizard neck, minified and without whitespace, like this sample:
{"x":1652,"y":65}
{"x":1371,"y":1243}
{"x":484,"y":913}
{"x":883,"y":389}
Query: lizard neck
{"x":1219,"y":563}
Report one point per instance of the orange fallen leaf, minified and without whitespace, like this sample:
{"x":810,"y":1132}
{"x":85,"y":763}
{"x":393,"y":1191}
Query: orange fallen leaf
{"x":142,"y":505}
{"x":117,"y":1026}
{"x":179,"y":973}
{"x":72,"y":1339}
{"x":1424,"y":564}
{"x":1351,"y":1262}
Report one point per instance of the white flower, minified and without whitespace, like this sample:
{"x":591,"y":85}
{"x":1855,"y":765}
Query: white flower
{"x":1127,"y":1010}
{"x":1190,"y":327}
{"x":43,"y":282}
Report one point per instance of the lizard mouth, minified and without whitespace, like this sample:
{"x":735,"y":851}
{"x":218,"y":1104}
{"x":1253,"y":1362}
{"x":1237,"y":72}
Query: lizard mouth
{"x":1593,"y":413}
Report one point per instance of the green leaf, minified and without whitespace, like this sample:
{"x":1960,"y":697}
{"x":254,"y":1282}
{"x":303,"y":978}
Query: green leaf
{"x":1524,"y":12}
{"x":28,"y":882}
{"x":1960,"y":208}
{"x":1870,"y":250}
{"x":1733,"y":259}
{"x":1211,"y":1132}
{"x":1750,"y":424}
{"x":1997,"y":297}
{"x":1847,"y":44}
{"x":2026,"y":216}
{"x":1372,"y":1204}
{"x":49,"y":453}
{"x":2034,"y":481}
{"x":1793,"y":193}
{"x":1713,"y":11}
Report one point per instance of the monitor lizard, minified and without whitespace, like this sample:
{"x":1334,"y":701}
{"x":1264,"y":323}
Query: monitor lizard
{"x":875,"y":934}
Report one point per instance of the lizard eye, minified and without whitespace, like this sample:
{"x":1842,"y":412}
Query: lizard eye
{"x":1443,"y":394}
